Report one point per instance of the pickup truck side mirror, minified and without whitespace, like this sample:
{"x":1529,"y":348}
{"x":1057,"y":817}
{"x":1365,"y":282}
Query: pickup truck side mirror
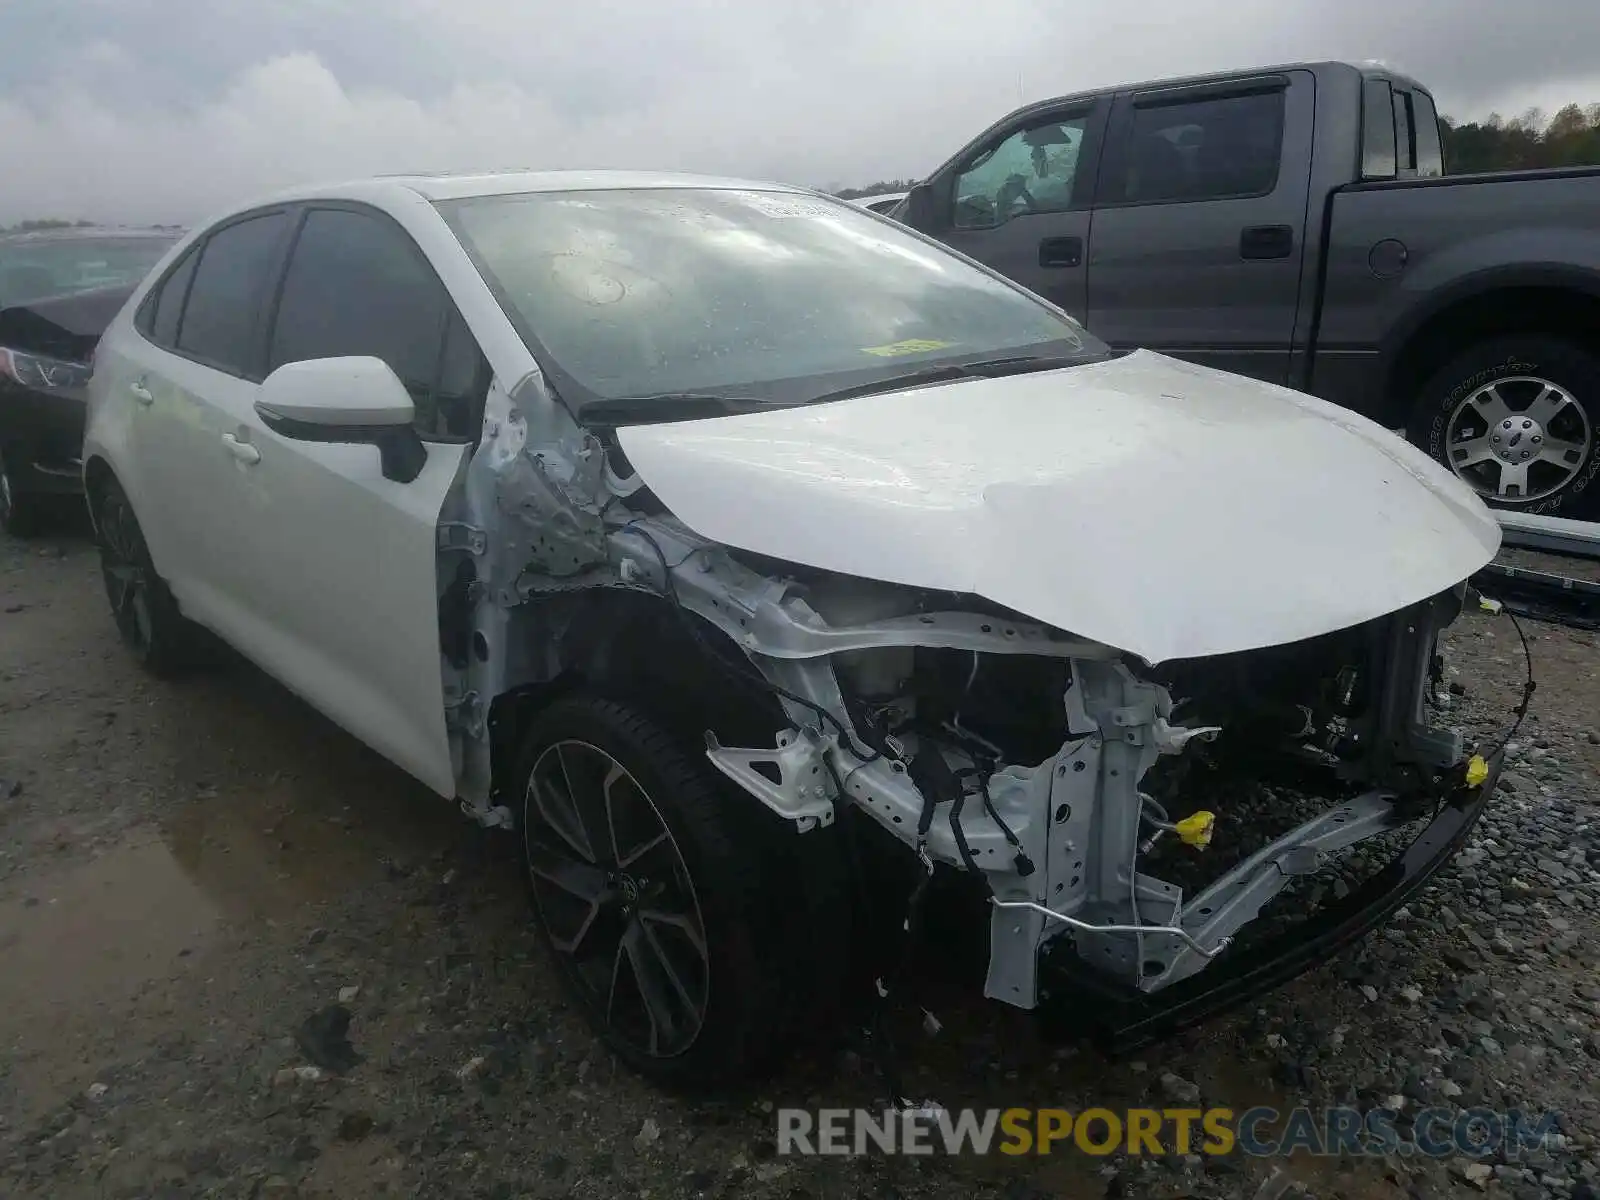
{"x":918,"y":209}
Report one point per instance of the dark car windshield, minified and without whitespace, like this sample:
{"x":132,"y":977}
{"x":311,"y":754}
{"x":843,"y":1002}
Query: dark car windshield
{"x":33,"y":269}
{"x":773,"y":295}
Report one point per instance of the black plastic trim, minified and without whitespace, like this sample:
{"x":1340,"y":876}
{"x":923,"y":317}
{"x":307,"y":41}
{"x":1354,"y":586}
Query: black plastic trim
{"x":399,"y":446}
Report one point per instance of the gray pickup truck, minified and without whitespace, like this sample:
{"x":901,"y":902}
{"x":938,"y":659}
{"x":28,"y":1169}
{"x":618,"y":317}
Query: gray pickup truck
{"x":1296,"y":224}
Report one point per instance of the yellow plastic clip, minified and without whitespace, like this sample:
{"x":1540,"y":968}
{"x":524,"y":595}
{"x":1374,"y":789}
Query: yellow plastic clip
{"x":1195,"y":830}
{"x":1477,"y":771}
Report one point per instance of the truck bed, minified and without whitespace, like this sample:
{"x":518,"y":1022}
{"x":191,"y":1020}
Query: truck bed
{"x":1392,"y":242}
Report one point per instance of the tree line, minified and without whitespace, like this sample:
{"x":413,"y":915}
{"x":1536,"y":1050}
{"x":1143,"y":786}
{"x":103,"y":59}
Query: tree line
{"x":1571,"y":138}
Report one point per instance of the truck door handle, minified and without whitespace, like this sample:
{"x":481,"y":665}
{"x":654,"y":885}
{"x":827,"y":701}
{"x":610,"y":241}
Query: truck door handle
{"x":141,"y":393}
{"x":1061,"y":252}
{"x":1266,"y":241}
{"x":243,"y":451}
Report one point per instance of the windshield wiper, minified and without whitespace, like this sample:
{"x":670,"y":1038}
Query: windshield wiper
{"x":667,"y":406}
{"x":986,"y":368}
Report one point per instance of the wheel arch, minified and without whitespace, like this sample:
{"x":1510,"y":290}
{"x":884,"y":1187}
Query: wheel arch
{"x":1554,"y":301}
{"x":636,"y":647}
{"x":97,"y":473}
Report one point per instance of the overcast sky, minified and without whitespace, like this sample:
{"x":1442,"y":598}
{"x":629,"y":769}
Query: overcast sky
{"x":148,"y":110}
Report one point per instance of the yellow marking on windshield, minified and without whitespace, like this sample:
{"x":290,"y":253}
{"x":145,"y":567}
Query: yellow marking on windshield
{"x":909,"y":346}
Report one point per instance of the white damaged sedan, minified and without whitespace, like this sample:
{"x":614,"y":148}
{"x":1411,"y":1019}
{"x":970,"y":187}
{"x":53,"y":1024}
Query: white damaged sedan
{"x":756,"y":561}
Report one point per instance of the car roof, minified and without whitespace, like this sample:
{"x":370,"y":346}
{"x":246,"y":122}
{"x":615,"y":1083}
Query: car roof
{"x":465,"y":185}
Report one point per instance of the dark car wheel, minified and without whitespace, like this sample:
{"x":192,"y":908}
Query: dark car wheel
{"x":1517,"y":418}
{"x":653,"y":902}
{"x":145,"y":613}
{"x":18,"y":510}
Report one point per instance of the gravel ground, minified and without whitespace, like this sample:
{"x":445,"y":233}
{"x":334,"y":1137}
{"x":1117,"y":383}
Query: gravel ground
{"x":190,"y":871}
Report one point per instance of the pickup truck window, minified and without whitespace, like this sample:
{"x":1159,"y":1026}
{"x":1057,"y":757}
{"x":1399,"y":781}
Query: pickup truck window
{"x":1405,"y":149}
{"x":1378,"y":159}
{"x":1425,"y":126}
{"x":1032,"y":171}
{"x":1214,"y":148}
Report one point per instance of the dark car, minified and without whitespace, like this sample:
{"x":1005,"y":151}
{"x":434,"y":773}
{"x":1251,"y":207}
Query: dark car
{"x":59,"y":289}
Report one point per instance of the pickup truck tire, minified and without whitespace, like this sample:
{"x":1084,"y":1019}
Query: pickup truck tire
{"x":1517,"y":418}
{"x":651,"y":897}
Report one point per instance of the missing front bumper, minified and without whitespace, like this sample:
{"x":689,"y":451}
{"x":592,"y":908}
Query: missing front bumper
{"x":1079,"y":1000}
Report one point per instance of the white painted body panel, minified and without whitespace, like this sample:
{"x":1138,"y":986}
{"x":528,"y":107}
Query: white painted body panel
{"x":1163,"y":508}
{"x":309,"y":561}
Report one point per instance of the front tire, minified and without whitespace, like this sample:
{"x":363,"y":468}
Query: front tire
{"x":146,"y":615}
{"x":1517,"y":418}
{"x":650,"y":896}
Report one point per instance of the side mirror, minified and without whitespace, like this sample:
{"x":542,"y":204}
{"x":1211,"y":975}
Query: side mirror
{"x":918,"y":209}
{"x":350,"y":400}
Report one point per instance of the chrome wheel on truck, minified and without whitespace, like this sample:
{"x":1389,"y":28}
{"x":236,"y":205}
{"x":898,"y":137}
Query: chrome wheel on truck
{"x":1518,"y":439}
{"x":1516,"y":419}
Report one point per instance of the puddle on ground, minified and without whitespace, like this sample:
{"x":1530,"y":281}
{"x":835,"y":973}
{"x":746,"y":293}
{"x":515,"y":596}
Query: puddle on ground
{"x":285,"y":808}
{"x":283,"y":814}
{"x":89,"y":939}
{"x":266,"y":849}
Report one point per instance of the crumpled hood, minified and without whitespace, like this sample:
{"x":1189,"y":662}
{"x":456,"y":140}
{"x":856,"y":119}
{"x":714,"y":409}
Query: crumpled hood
{"x":1166,"y":509}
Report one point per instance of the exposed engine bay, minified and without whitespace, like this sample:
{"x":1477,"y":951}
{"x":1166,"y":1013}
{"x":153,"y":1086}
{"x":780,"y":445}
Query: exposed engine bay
{"x":983,"y":742}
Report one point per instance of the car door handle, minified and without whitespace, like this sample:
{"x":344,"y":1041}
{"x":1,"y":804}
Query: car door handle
{"x":1061,"y":252}
{"x":243,"y":451}
{"x":141,"y":393}
{"x":1266,"y":241}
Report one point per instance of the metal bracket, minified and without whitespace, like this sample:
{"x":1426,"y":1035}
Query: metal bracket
{"x":1132,"y":719}
{"x":801,"y":793}
{"x":1237,"y":897}
{"x":490,"y":816}
{"x":457,"y":535}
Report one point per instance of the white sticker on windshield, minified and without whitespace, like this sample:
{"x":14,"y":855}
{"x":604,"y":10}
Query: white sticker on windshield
{"x":774,"y":205}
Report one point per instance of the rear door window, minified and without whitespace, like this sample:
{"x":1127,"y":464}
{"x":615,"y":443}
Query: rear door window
{"x":158,"y":318}
{"x":1425,"y":130}
{"x":220,"y":319}
{"x":1210,"y":148}
{"x":1378,"y":159}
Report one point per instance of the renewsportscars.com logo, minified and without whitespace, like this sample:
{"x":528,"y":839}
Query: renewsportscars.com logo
{"x":1259,"y":1132}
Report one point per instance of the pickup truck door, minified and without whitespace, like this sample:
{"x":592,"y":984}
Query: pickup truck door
{"x":1200,"y":222}
{"x":1018,"y":199}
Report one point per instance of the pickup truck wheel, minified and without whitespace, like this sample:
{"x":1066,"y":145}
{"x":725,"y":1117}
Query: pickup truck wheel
{"x":649,"y":902}
{"x":1517,"y":419}
{"x":147,"y":618}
